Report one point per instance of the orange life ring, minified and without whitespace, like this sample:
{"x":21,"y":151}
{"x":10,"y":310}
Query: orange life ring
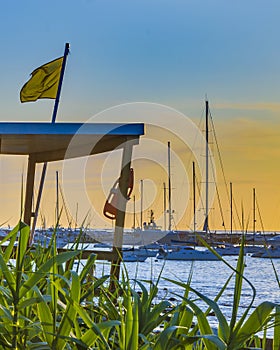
{"x":110,"y":207}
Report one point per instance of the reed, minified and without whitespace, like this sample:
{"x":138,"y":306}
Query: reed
{"x":51,"y":300}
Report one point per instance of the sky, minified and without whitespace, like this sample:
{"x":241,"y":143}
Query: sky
{"x":155,"y":62}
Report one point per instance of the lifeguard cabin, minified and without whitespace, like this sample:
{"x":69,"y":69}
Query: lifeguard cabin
{"x":48,"y":142}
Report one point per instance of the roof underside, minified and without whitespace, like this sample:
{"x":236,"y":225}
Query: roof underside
{"x":49,"y":142}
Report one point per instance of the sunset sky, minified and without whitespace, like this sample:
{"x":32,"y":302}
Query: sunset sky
{"x":153,"y":62}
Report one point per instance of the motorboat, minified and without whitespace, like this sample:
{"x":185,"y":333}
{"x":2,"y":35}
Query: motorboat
{"x":141,"y":251}
{"x":129,"y":256}
{"x":268,"y":252}
{"x":273,"y":241}
{"x":185,"y":253}
{"x":227,"y":249}
{"x":135,"y":236}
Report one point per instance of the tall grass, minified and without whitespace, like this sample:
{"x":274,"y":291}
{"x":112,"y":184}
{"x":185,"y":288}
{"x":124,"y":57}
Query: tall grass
{"x":53,"y":301}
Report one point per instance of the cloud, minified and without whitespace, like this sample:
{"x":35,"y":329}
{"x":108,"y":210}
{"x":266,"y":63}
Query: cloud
{"x":259,"y":106}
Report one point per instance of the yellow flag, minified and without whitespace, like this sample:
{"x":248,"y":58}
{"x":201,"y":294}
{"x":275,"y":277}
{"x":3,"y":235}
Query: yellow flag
{"x":43,"y":82}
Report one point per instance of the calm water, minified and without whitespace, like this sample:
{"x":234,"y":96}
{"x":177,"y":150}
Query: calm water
{"x":208,"y":278}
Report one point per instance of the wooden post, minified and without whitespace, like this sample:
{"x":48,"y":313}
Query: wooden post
{"x":120,"y":217}
{"x":29,"y":190}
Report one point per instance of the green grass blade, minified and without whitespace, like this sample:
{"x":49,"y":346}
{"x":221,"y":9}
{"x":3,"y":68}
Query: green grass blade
{"x":8,"y":275}
{"x":96,"y":332}
{"x":88,"y":267}
{"x":238,"y":284}
{"x":204,"y":327}
{"x":44,"y":270}
{"x":132,"y":323}
{"x":93,"y":329}
{"x":184,"y":316}
{"x":163,"y":340}
{"x":46,"y":319}
{"x":255,"y":323}
{"x":216,"y":341}
{"x":223,"y":325}
{"x":213,"y":305}
{"x":69,"y":314}
{"x":155,"y":316}
{"x":11,"y":237}
{"x":276,"y":337}
{"x":22,"y":245}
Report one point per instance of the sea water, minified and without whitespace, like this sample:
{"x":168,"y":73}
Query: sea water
{"x":208,"y":278}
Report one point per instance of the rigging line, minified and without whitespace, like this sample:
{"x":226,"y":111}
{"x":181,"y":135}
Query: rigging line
{"x":265,"y":239}
{"x":195,"y":140}
{"x":247,"y":223}
{"x":157,"y":202}
{"x":174,"y":223}
{"x":219,"y":154}
{"x":69,"y":218}
{"x":137,"y":221}
{"x":40,"y":212}
{"x":245,"y":227}
{"x":259,"y":213}
{"x":213,"y":173}
{"x":238,"y":217}
{"x":220,"y":207}
{"x":198,"y":185}
{"x":42,"y":218}
{"x":218,"y":195}
{"x":221,"y":162}
{"x":190,"y":158}
{"x":188,"y":216}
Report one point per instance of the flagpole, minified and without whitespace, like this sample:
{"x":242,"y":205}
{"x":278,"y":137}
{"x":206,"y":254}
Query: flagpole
{"x":66,"y":51}
{"x":55,"y":109}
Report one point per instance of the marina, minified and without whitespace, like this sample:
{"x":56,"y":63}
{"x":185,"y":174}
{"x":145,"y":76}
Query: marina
{"x":130,"y":220}
{"x":208,"y":279}
{"x":169,"y":258}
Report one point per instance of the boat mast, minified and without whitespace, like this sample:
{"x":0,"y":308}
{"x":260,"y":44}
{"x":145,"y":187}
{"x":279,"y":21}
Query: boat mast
{"x":76,"y":217}
{"x":230,"y":208}
{"x":134,"y":213}
{"x":141,"y":209}
{"x":169,"y":190}
{"x":205,"y":227}
{"x":254,"y":210}
{"x":164,"y":206}
{"x":57,"y":199}
{"x":194,"y":200}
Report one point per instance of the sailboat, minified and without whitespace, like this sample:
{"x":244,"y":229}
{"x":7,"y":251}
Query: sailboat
{"x":149,"y":232}
{"x":186,"y":236}
{"x":181,"y":252}
{"x":63,"y":235}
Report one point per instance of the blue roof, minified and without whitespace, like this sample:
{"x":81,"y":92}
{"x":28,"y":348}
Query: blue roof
{"x":51,"y":142}
{"x":70,"y":128}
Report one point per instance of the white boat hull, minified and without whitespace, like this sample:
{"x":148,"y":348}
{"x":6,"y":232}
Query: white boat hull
{"x":187,"y":253}
{"x":269,"y":253}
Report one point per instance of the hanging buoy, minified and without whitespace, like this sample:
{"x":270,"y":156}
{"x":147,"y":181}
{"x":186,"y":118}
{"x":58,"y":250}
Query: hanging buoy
{"x":110,"y":207}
